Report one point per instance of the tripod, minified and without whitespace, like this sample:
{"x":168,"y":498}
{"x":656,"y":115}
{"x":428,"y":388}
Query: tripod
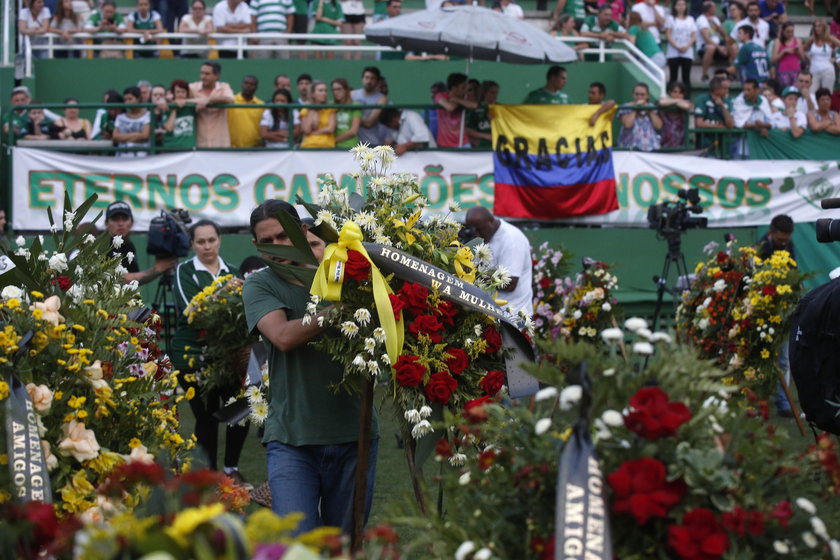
{"x":673,"y":256}
{"x":166,"y":305}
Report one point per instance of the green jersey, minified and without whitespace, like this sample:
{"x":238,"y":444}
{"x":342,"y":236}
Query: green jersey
{"x":304,"y":407}
{"x":95,"y":20}
{"x":343,"y":123}
{"x":645,"y":41}
{"x":591,"y":24}
{"x":183,"y":131}
{"x":18,"y":122}
{"x":575,"y":8}
{"x":544,"y":97}
{"x":707,"y":109}
{"x":140,"y":22}
{"x":752,"y":62}
{"x":478,"y":119}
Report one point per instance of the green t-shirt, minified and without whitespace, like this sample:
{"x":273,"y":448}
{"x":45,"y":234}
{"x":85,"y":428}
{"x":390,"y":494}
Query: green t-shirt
{"x":149,"y":22}
{"x":645,"y":41}
{"x":19,"y":124}
{"x":544,"y":97}
{"x":332,"y":10}
{"x":183,"y":133}
{"x":95,"y":20}
{"x":303,"y":408}
{"x":591,"y":24}
{"x":478,"y":119}
{"x":752,"y":62}
{"x":343,"y":121}
{"x":380,"y":7}
{"x":709,"y":110}
{"x":301,"y":8}
{"x":575,"y":8}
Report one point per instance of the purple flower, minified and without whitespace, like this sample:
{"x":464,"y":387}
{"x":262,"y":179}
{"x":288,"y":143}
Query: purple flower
{"x":143,"y":354}
{"x":269,"y":551}
{"x":122,"y":347}
{"x":137,"y":370}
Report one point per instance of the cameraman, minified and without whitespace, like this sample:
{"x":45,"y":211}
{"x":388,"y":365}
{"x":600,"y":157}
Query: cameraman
{"x":118,"y":222}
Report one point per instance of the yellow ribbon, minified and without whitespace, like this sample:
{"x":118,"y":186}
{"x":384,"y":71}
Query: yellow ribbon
{"x":464,"y":266}
{"x":329,"y":279}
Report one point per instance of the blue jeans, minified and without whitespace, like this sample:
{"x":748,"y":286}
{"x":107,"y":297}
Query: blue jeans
{"x":783,"y":361}
{"x":318,"y":481}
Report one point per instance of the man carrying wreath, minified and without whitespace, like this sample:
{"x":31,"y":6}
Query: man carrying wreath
{"x":311,"y":431}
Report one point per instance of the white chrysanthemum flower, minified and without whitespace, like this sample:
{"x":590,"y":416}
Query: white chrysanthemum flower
{"x":425,"y":411}
{"x":382,"y":239}
{"x":569,"y":396}
{"x":612,"y":335}
{"x":58,"y":262}
{"x":809,"y":539}
{"x":306,"y":319}
{"x":608,"y":372}
{"x":577,"y":314}
{"x":253,"y":393}
{"x":834,"y":546}
{"x":88,"y":239}
{"x":818,"y":525}
{"x":10,"y":292}
{"x":366,"y":220}
{"x":545,"y":394}
{"x":120,"y":269}
{"x":466,"y":548}
{"x":644,"y":333}
{"x":259,"y":412}
{"x":501,"y":277}
{"x":806,"y":505}
{"x":643,"y":348}
{"x":478,"y":330}
{"x":606,"y":307}
{"x":483,"y":554}
{"x":359,"y":361}
{"x":463,"y":480}
{"x":373,"y":367}
{"x":386,"y":360}
{"x":370,"y":345}
{"x":542,"y":426}
{"x":612,"y":418}
{"x":379,"y":334}
{"x":362,"y":316}
{"x":412,"y":416}
{"x":458,"y":460}
{"x":117,"y":241}
{"x":661,"y":336}
{"x":454,"y":206}
{"x":422,"y":428}
{"x":483,"y":254}
{"x":325,"y":217}
{"x":719,"y":285}
{"x":349,"y":329}
{"x":781,"y":547}
{"x":20,"y":241}
{"x":635,"y":323}
{"x":129,"y":257}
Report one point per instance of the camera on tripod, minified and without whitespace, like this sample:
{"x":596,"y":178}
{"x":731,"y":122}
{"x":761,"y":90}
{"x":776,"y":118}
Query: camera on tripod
{"x":672,"y":216}
{"x":168,"y":235}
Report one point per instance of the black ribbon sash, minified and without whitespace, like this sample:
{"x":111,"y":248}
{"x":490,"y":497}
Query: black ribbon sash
{"x":582,"y":528}
{"x":465,"y":294}
{"x":27,"y":466}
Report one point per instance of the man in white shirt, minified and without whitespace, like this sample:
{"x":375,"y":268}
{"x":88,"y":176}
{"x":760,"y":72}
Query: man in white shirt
{"x":511,"y":9}
{"x":653,"y":16}
{"x":412,"y":132}
{"x":790,"y":118}
{"x":711,"y":41}
{"x":232,"y":16}
{"x":753,"y":19}
{"x":512,"y":250}
{"x":751,"y":111}
{"x":807,"y":101}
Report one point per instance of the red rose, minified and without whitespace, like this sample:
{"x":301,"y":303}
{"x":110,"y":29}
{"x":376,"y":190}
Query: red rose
{"x":447,"y":311}
{"x":642,"y":490}
{"x":44,"y":522}
{"x":782,"y":512}
{"x":457,"y":361}
{"x":409,"y":371}
{"x":414,"y":296}
{"x":653,"y":416}
{"x":474,"y":410}
{"x":492,"y":382}
{"x":735,"y":521}
{"x":487,"y":458}
{"x":768,"y":290}
{"x":64,"y":282}
{"x":428,"y":325}
{"x":493,"y":339}
{"x":545,"y":282}
{"x":443,"y":448}
{"x":440,"y":388}
{"x":700,"y":537}
{"x":397,"y":305}
{"x":357,"y":266}
{"x":755,"y":523}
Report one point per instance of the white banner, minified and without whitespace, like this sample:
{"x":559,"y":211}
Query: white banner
{"x":226,"y":186}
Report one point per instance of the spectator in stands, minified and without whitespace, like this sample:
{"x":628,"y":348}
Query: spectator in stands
{"x":304,"y":86}
{"x":104,"y":120}
{"x":752,"y":61}
{"x":787,"y":56}
{"x":512,"y":9}
{"x":471,"y":93}
{"x":74,"y":128}
{"x":411,"y":132}
{"x":680,"y":34}
{"x":244,"y":124}
{"x":371,"y":131}
{"x":18,"y":119}
{"x":640,"y":126}
{"x":736,"y":13}
{"x":761,"y":29}
{"x":33,"y":22}
{"x":211,"y":122}
{"x":773,"y":12}
{"x":645,"y":41}
{"x":318,"y":125}
{"x":145,"y":87}
{"x":823,"y":119}
{"x":819,"y":49}
{"x":713,"y":110}
{"x":354,"y":23}
{"x":39,"y":127}
{"x":170,"y":11}
{"x":675,"y":109}
{"x":573,"y":8}
{"x":790,"y":118}
{"x":597,"y":93}
{"x":347,"y":121}
{"x":452,"y":111}
{"x":106,"y":20}
{"x":83,"y":9}
{"x":653,"y":16}
{"x":131,"y":129}
{"x":282,"y":81}
{"x":618,"y":10}
{"x":808,"y":101}
{"x":380,"y":10}
{"x":552,"y":92}
{"x":771,"y":91}
{"x":300,"y":22}
{"x":279,"y":126}
{"x":65,"y":22}
{"x":603,"y":26}
{"x":478,"y":119}
{"x":751,"y":112}
{"x":200,"y":23}
{"x":147,"y":22}
{"x":382,"y":86}
{"x":564,"y":26}
{"x":711,"y":38}
{"x":273,"y":16}
{"x":230,"y":16}
{"x":180,"y":122}
{"x":328,"y":20}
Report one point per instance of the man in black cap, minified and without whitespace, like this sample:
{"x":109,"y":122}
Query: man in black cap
{"x":118,"y":222}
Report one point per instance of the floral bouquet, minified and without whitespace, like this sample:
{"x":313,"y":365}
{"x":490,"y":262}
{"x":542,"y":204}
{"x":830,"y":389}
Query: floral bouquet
{"x":218,"y":313}
{"x":550,"y":285}
{"x":587,"y":303}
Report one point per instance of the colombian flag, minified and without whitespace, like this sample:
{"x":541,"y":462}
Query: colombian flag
{"x":549,"y":163}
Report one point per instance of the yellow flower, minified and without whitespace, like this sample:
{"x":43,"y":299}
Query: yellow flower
{"x":79,"y":328}
{"x":189,"y":395}
{"x":134,"y":442}
{"x":189,"y":520}
{"x":36,"y":294}
{"x":4,"y":459}
{"x":76,"y":402}
{"x":765,"y":353}
{"x":4,"y":496}
{"x":4,"y":390}
{"x":13,"y":303}
{"x":265,"y":526}
{"x":105,"y":462}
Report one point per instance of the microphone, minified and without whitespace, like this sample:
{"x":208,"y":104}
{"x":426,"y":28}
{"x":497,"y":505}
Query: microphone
{"x":830,"y":203}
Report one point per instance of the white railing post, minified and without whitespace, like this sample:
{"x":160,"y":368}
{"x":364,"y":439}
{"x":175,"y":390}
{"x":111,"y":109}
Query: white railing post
{"x":8,"y":18}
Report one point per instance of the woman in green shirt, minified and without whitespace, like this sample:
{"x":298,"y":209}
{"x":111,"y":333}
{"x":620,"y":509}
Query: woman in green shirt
{"x":347,"y":121}
{"x":645,"y":41}
{"x":180,"y":125}
{"x":328,"y":19}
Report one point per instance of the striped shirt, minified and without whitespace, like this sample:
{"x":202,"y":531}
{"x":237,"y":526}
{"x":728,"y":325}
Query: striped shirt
{"x":271,"y":14}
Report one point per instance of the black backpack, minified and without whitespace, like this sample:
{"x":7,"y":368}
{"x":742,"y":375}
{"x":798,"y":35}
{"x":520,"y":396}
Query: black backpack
{"x":815,"y":355}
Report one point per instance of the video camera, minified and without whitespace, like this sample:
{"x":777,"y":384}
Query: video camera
{"x":672,"y":216}
{"x":828,"y":229}
{"x":168,"y":235}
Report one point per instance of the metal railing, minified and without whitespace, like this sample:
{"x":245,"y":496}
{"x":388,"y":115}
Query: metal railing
{"x":627,"y":50}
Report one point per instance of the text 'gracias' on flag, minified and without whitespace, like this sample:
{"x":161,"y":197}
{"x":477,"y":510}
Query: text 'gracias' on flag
{"x":549,"y":163}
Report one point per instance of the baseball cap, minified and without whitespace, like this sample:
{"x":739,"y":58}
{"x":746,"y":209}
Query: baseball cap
{"x":22,"y":89}
{"x":117,"y":208}
{"x":790,"y":89}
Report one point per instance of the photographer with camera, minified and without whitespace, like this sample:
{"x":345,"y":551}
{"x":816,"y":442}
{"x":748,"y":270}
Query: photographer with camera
{"x":192,"y":276}
{"x":118,"y":222}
